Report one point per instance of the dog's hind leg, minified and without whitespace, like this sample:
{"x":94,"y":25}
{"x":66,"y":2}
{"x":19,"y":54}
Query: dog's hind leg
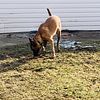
{"x":59,"y":39}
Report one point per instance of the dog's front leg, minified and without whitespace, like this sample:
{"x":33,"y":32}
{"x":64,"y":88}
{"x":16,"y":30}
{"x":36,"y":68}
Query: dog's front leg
{"x":44,"y":45}
{"x":51,"y":41}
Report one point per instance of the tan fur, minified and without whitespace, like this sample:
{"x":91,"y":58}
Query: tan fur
{"x":47,"y":30}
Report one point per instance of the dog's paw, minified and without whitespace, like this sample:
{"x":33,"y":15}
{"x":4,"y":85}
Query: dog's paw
{"x":36,"y":57}
{"x":58,"y":50}
{"x":52,"y":57}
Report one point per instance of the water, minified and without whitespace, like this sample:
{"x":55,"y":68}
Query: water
{"x":27,"y":15}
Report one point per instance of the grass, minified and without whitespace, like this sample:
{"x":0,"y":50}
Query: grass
{"x":72,"y":75}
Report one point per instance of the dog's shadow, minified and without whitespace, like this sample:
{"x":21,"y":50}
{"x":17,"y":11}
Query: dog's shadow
{"x":23,"y":55}
{"x":16,"y":64}
{"x":11,"y":57}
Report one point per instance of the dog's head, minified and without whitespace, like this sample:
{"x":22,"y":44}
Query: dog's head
{"x":35,"y":47}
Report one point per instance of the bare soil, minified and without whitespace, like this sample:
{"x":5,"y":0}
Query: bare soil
{"x":15,"y":39}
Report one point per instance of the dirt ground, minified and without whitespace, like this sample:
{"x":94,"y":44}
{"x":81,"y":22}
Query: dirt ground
{"x":16,"y":39}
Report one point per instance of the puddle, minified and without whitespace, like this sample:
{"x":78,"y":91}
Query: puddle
{"x":68,"y":44}
{"x":74,"y":45}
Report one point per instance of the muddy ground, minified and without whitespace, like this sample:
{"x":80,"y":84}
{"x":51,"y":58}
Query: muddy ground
{"x":15,"y":39}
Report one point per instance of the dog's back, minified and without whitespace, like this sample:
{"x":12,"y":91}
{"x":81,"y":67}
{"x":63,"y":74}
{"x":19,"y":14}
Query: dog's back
{"x":50,"y":26}
{"x":53,"y":21}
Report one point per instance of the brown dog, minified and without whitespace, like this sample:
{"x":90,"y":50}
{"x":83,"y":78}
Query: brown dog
{"x":45,"y":34}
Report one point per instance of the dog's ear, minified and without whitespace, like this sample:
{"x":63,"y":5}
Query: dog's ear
{"x":30,"y":40}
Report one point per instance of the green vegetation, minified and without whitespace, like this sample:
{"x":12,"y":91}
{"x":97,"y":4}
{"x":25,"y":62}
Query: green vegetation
{"x":72,"y":75}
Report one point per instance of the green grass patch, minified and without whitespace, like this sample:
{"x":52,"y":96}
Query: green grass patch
{"x":72,"y":75}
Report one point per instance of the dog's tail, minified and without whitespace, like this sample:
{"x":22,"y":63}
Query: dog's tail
{"x":49,"y":12}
